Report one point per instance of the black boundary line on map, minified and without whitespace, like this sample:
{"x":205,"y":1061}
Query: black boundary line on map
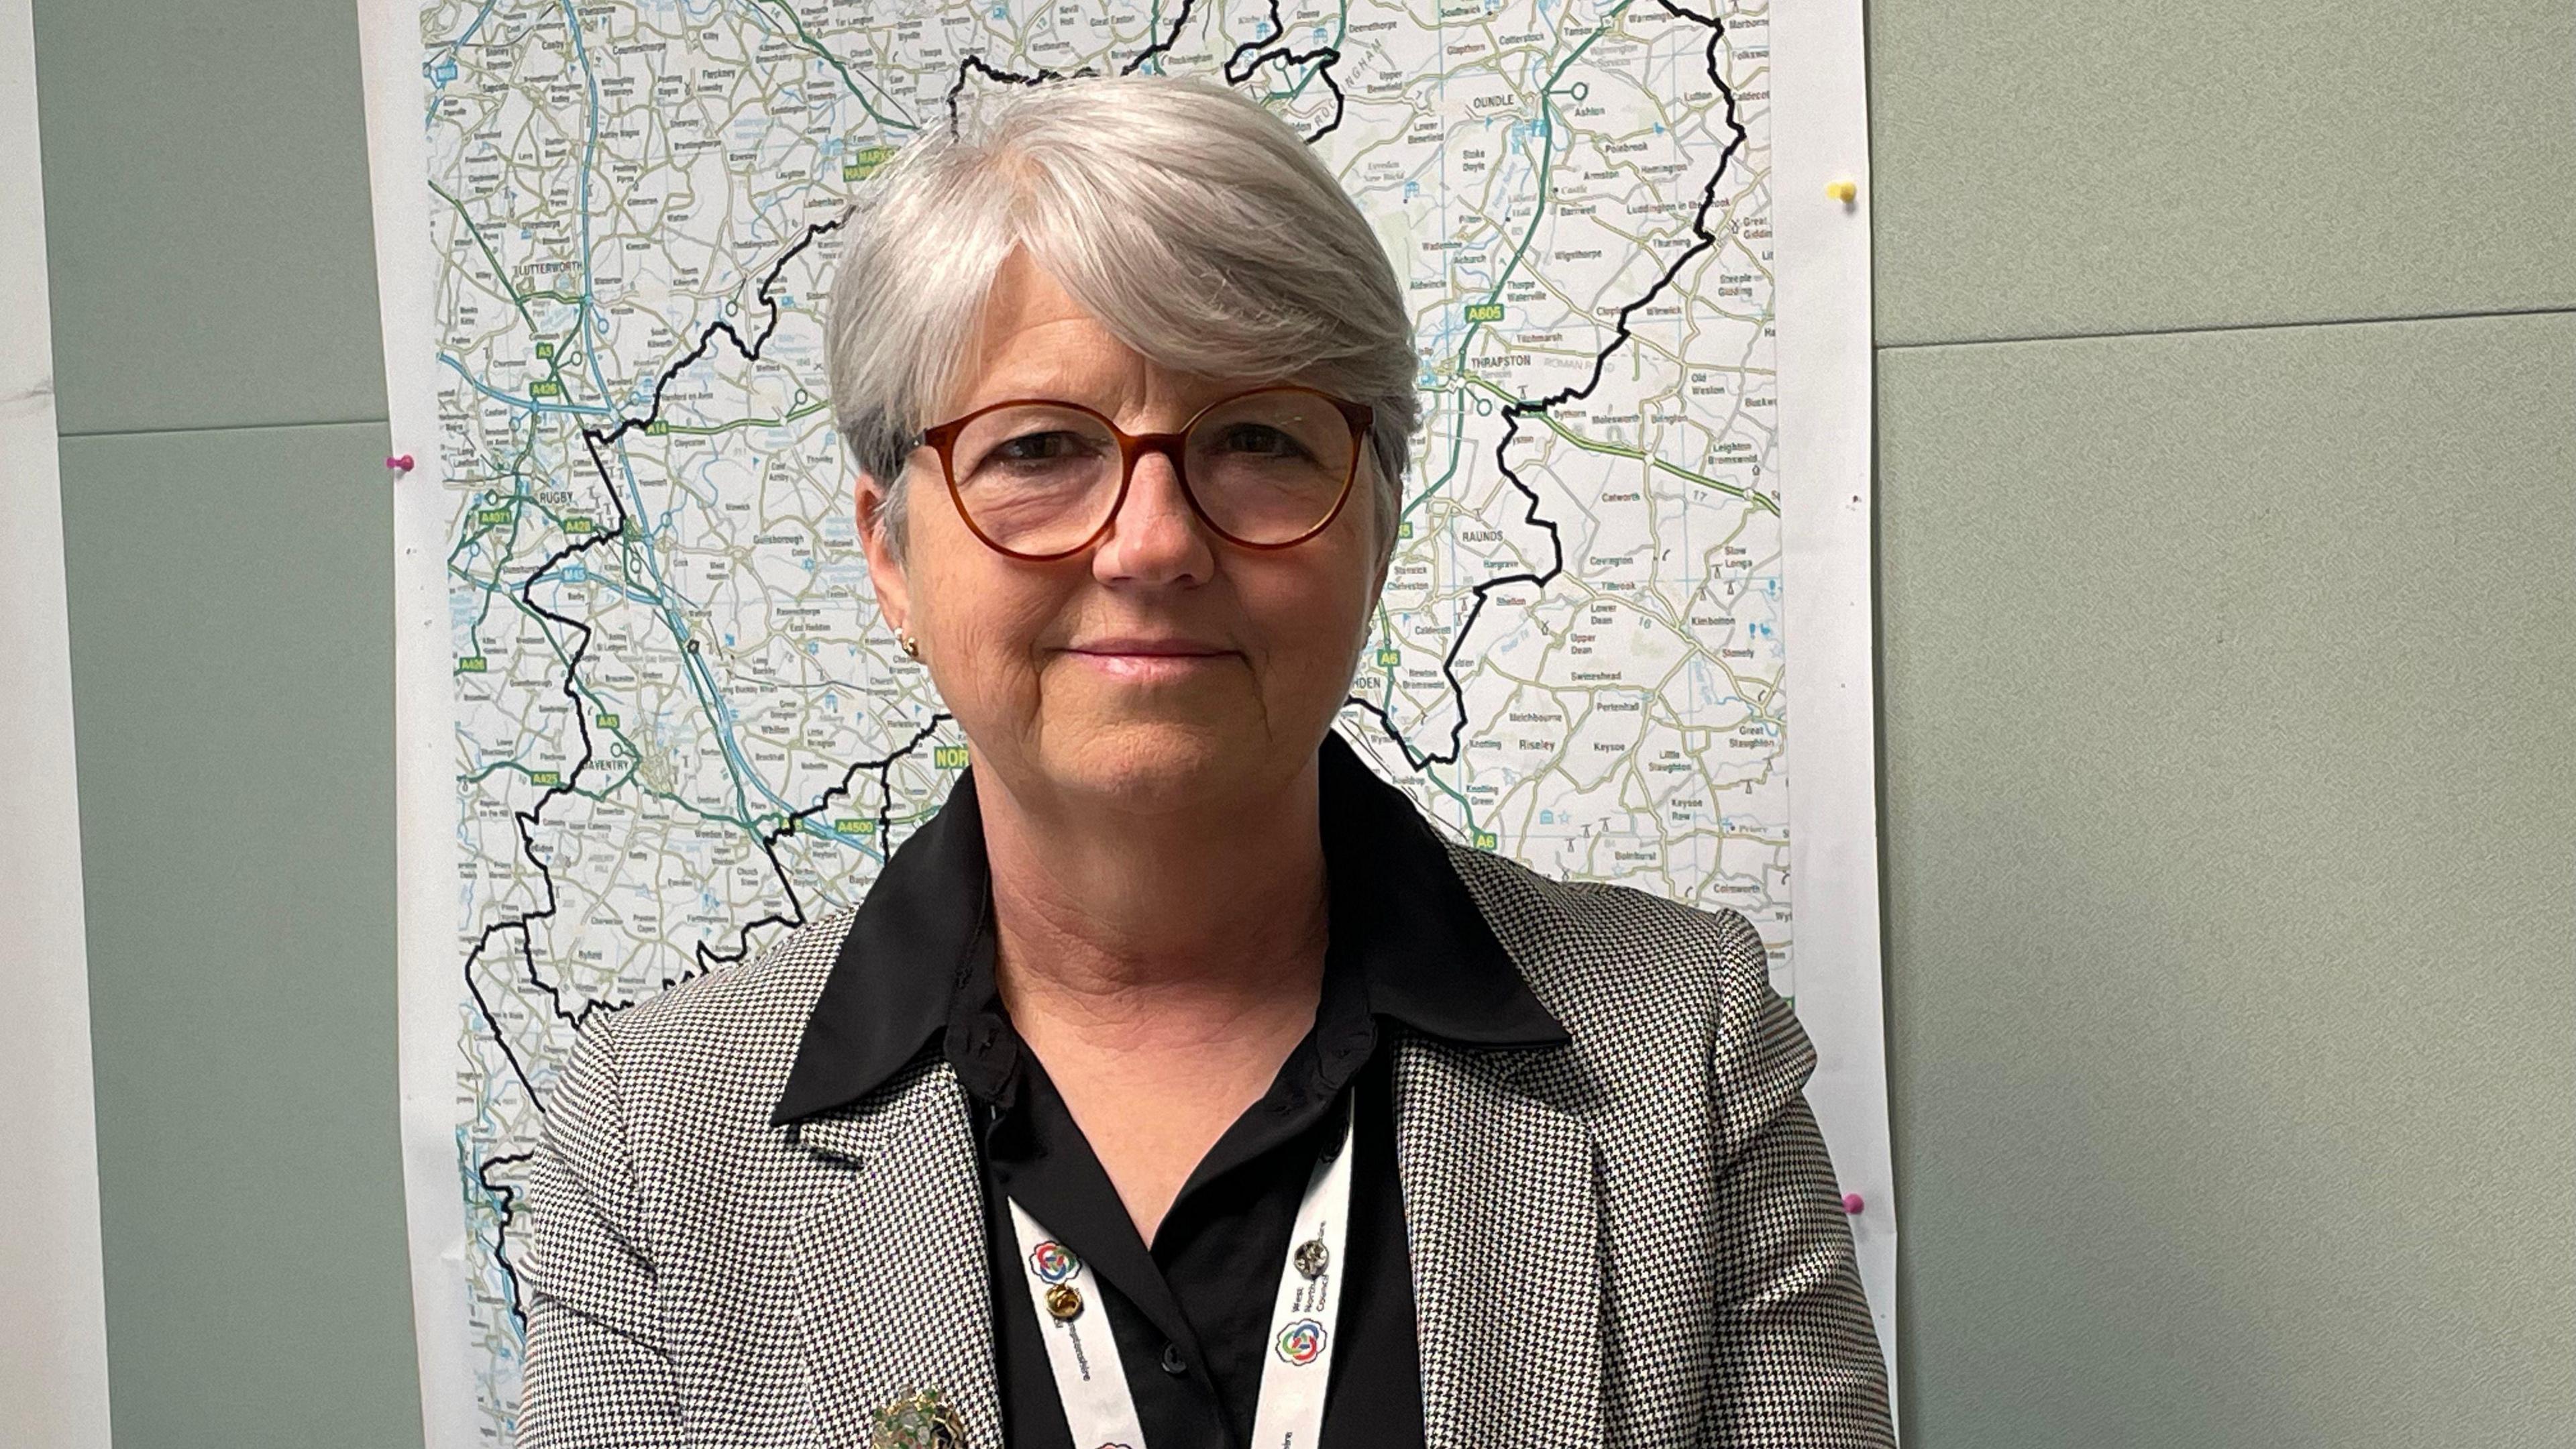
{"x":1236,"y":71}
{"x":506,"y":1196}
{"x":1171,"y":37}
{"x":976,"y":65}
{"x":973,"y":65}
{"x":506,"y":1199}
{"x":1514,"y":411}
{"x":526,"y":821}
{"x":1323,"y":58}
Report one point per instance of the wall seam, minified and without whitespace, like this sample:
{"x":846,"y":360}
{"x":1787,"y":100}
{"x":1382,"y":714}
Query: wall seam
{"x":69,"y":436}
{"x":2223,"y":329}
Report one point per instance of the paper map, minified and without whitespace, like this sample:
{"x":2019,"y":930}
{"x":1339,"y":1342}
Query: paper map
{"x":652,"y":721}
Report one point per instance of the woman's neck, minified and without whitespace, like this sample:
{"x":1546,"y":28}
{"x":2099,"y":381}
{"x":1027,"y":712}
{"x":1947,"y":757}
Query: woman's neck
{"x":1123,"y":920}
{"x":1160,"y":968}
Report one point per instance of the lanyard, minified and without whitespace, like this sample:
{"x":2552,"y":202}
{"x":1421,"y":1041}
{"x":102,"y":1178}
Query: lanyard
{"x":1092,"y":1382}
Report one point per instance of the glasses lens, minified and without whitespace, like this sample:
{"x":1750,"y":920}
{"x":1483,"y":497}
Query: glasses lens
{"x":1269,"y":466}
{"x":1036,"y":479}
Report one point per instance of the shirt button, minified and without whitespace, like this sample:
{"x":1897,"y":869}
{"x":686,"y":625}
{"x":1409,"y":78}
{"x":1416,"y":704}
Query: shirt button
{"x":1173,"y":1363}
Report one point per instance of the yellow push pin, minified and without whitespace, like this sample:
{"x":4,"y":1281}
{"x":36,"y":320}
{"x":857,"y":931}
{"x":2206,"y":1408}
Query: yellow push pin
{"x":1845,"y":192}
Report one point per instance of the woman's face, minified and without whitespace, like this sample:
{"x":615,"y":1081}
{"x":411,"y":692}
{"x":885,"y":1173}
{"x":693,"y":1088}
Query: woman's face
{"x":1163,"y":668}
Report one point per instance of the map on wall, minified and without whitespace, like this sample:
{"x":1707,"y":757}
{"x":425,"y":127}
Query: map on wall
{"x":668,"y":724}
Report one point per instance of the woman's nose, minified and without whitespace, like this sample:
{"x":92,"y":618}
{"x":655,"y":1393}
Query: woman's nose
{"x":1155,"y":538}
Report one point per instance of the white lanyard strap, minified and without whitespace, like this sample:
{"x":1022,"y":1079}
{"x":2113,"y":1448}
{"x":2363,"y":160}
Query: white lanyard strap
{"x":1091,"y":1381}
{"x":1088,"y":1378}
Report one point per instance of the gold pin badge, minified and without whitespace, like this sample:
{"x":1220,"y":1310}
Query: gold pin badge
{"x":1065,"y":1302}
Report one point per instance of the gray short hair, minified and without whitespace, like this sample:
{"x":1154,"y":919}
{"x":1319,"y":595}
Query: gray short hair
{"x":1193,"y":223}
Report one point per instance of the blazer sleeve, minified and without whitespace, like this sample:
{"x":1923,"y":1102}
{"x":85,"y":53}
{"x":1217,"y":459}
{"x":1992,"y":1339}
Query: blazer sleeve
{"x":597,"y":1371}
{"x":1797,"y":1360}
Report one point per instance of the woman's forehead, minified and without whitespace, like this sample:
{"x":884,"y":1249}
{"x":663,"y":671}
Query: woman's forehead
{"x":1024,"y":294}
{"x":1033,"y":339}
{"x":1076,"y":359}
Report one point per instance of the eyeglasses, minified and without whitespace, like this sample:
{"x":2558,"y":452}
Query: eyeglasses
{"x":1040,"y":479}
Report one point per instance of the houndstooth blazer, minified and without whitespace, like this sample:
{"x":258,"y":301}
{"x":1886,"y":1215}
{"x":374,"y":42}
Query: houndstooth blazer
{"x":1634,"y":1239}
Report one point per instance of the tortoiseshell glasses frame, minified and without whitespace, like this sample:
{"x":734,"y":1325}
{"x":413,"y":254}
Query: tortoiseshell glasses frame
{"x":943,"y":439}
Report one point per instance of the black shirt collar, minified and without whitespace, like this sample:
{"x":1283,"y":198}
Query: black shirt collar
{"x":1399,"y":915}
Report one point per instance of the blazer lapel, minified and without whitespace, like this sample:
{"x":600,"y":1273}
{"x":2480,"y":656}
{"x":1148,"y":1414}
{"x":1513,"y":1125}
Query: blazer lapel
{"x":891,"y":1279}
{"x":1501,"y":1208}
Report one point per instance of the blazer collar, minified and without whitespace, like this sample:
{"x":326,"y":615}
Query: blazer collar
{"x":890,"y":1277}
{"x":916,"y":936}
{"x":1401,"y":919}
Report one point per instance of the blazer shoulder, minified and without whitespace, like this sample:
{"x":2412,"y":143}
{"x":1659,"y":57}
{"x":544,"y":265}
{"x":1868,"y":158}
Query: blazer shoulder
{"x":1648,"y":988}
{"x":733,"y":1028}
{"x":1615,"y":938}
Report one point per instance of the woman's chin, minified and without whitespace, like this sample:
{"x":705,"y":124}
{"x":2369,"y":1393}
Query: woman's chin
{"x":1156,"y":765}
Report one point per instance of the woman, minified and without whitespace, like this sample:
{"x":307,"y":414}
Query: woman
{"x":1178,"y":1083}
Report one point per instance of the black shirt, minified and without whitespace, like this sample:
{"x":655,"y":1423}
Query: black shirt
{"x":1407,"y":951}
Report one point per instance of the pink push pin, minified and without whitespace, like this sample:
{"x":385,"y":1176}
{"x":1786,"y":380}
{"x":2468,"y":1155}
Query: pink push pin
{"x":1852,"y":1203}
{"x":400,"y":462}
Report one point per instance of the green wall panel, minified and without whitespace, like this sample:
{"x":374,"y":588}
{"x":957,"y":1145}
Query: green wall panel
{"x":206,"y":214}
{"x":232,"y":662}
{"x":2230,"y":783}
{"x":2088,"y":166}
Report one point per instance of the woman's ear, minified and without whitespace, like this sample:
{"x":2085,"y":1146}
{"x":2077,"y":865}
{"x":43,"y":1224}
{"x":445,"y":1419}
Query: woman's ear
{"x":885,"y":568}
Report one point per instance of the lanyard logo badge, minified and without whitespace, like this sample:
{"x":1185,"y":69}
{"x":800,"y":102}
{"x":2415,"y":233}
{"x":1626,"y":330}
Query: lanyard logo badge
{"x":1301,"y":1342}
{"x":1052,"y":1263}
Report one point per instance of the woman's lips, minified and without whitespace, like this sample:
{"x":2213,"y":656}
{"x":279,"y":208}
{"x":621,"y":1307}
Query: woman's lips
{"x":1148,"y":660}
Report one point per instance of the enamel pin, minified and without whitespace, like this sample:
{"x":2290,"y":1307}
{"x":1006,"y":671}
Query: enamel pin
{"x":918,"y":1420}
